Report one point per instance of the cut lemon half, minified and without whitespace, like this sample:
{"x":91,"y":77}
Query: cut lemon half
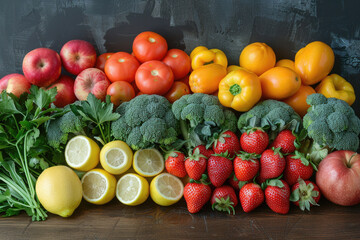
{"x":116,"y":157}
{"x":166,"y":189}
{"x":132,"y":189}
{"x":148,"y":162}
{"x":98,"y":186}
{"x":82,"y":153}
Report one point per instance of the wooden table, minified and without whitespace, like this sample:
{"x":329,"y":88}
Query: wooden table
{"x":149,"y":221}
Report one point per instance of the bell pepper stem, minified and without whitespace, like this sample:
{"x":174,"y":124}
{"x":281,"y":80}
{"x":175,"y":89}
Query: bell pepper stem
{"x":235,"y":89}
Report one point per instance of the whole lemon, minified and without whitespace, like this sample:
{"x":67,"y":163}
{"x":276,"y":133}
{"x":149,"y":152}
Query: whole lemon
{"x":59,"y":190}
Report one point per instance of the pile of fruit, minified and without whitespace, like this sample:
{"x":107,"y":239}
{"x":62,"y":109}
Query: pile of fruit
{"x":161,"y":123}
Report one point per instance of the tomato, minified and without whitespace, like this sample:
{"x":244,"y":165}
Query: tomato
{"x":286,"y":63}
{"x":154,"y":77}
{"x":100,"y":61}
{"x":206,"y":79}
{"x":298,"y":100}
{"x":120,"y":91}
{"x":314,"y":62}
{"x":257,"y":58}
{"x":279,"y":83}
{"x":149,"y":46}
{"x":177,"y":90}
{"x":121,"y":66}
{"x":133,"y":84}
{"x":179,"y":62}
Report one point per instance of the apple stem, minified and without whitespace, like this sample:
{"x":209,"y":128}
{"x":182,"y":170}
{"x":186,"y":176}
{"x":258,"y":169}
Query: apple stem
{"x":348,"y":164}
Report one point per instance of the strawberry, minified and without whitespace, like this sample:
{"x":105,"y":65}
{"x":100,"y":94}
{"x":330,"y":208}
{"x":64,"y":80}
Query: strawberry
{"x":219,"y":169}
{"x":286,"y":141}
{"x":224,"y":199}
{"x":297,"y":166}
{"x":277,"y":196}
{"x":251,"y":196}
{"x":272,"y":164}
{"x":234,"y":182}
{"x":195,"y":165}
{"x":246,"y":166}
{"x":254,"y":140}
{"x":305,"y":194}
{"x":196,"y":196}
{"x":203,"y":151}
{"x":227,"y":142}
{"x":175,"y":164}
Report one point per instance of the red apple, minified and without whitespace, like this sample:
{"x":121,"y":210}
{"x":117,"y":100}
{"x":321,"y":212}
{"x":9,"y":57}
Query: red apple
{"x":42,"y":66}
{"x":338,"y":177}
{"x":15,"y":83}
{"x":91,"y":80}
{"x":65,"y":91}
{"x":78,"y":55}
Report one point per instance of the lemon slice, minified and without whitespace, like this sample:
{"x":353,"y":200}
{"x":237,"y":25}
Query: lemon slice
{"x":148,"y":162}
{"x":132,"y":189}
{"x":98,"y":186}
{"x":82,"y":153}
{"x":166,"y":189}
{"x":116,"y":157}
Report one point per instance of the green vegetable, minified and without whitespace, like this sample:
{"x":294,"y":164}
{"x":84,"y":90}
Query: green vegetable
{"x":146,"y":121}
{"x":331,"y":124}
{"x":23,"y":149}
{"x":272,"y":116}
{"x":202,"y":118}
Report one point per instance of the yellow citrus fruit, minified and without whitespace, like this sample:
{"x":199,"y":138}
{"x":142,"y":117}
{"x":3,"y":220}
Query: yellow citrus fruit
{"x":166,"y":189}
{"x":148,"y":162}
{"x":59,"y":190}
{"x":116,"y":157}
{"x":132,"y":189}
{"x":98,"y":186}
{"x":82,"y":153}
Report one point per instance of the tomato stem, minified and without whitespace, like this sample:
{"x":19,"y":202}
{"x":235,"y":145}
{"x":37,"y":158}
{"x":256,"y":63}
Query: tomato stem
{"x":235,"y":89}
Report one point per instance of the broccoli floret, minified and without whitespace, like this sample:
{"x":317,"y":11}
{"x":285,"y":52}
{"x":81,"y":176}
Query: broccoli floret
{"x":199,"y":114}
{"x":316,"y":99}
{"x":272,"y":115}
{"x":70,"y":123}
{"x":55,"y":137}
{"x":146,"y":121}
{"x":337,"y":122}
{"x":332,"y":125}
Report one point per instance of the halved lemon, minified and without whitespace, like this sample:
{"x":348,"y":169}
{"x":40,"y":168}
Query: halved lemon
{"x":166,"y":189}
{"x":98,"y":186}
{"x":148,"y":162}
{"x":82,"y":153}
{"x":116,"y":157}
{"x":132,"y":189}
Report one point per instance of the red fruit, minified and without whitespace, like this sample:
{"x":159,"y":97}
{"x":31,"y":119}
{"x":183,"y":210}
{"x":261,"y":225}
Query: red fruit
{"x":227,"y":142}
{"x":254,"y":141}
{"x":196,"y":196}
{"x":251,"y":196}
{"x":175,"y":164}
{"x":234,"y":182}
{"x":246,"y":166}
{"x":219,"y":169}
{"x":297,"y":166}
{"x":204,"y":151}
{"x":286,"y":141}
{"x":305,"y":194}
{"x":272,"y":164}
{"x":224,"y":199}
{"x":277,"y":196}
{"x":195,"y":165}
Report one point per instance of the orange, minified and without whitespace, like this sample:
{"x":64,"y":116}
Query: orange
{"x":298,"y":100}
{"x":257,"y":58}
{"x":279,"y":83}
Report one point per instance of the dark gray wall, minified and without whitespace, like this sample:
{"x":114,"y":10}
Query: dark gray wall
{"x":285,"y":25}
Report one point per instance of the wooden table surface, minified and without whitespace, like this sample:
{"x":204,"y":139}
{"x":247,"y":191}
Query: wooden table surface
{"x":149,"y":221}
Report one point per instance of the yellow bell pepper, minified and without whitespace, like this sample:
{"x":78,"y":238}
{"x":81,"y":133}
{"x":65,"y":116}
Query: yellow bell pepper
{"x":201,"y":56}
{"x":334,"y":86}
{"x":240,"y":89}
{"x":232,"y":68}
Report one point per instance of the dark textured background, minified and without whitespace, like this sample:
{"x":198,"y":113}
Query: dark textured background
{"x":229,"y":25}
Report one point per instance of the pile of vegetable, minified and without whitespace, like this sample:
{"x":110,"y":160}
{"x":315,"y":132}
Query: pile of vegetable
{"x":256,"y":131}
